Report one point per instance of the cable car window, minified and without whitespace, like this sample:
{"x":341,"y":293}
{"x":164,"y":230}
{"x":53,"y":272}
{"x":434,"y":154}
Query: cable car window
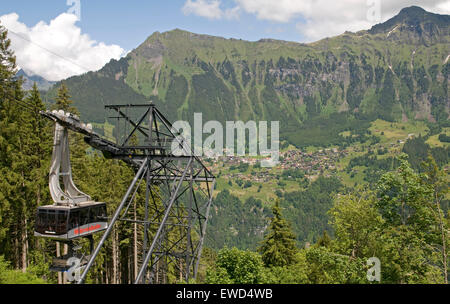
{"x":93,"y":214}
{"x":103,"y":214}
{"x":62,"y":222}
{"x":41,"y":218}
{"x":98,"y":213}
{"x":41,"y":221}
{"x":51,"y":222}
{"x":84,"y":216}
{"x":74,"y":221}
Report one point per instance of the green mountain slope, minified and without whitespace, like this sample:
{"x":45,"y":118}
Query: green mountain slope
{"x":398,"y":70}
{"x":330,"y":92}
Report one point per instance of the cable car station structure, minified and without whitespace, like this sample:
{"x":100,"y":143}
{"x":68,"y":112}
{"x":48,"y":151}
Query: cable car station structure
{"x":178,"y":192}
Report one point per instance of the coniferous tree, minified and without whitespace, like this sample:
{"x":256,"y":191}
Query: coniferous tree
{"x":24,"y":144}
{"x":37,"y":141}
{"x":278,"y":247}
{"x":11,"y":180}
{"x":324,"y":240}
{"x":64,"y":101}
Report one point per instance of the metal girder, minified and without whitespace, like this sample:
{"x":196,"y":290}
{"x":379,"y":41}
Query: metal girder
{"x":179,"y":191}
{"x":157,"y":235}
{"x":112,"y":222}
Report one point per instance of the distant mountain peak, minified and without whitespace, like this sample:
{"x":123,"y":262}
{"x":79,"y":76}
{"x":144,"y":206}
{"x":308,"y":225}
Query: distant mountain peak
{"x":42,"y":83}
{"x":412,"y":15}
{"x":413,"y":10}
{"x":416,"y":24}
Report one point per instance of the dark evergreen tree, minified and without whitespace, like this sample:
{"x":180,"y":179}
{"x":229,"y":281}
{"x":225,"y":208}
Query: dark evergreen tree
{"x":325,"y":240}
{"x":11,"y":177}
{"x":36,"y":138}
{"x":63,"y":101}
{"x":278,"y":247}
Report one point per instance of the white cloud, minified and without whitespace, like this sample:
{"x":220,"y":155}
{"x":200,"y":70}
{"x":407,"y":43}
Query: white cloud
{"x":209,"y":9}
{"x":232,"y":13}
{"x":203,"y":8}
{"x":59,"y":49}
{"x":278,"y":11}
{"x":316,"y":19}
{"x":325,"y":18}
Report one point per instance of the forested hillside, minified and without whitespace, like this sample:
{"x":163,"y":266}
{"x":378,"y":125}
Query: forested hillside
{"x":397,"y":71}
{"x":363,"y":166}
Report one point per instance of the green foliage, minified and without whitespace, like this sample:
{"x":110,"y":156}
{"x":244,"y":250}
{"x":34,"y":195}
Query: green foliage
{"x":387,"y":97}
{"x":10,"y":276}
{"x":417,"y":151}
{"x":278,"y":248}
{"x":242,"y":167}
{"x":175,"y":97}
{"x":356,"y":221}
{"x":444,"y":138}
{"x":327,"y":267}
{"x":403,"y":197}
{"x":296,"y":273}
{"x":325,"y":240}
{"x":307,"y":210}
{"x":24,"y":145}
{"x":375,"y":166}
{"x":404,"y":221}
{"x":236,"y":224}
{"x":234,"y":266}
{"x":63,"y":100}
{"x":324,"y":130}
{"x":293,"y":174}
{"x":210,"y":96}
{"x":401,"y":223}
{"x":300,"y":86}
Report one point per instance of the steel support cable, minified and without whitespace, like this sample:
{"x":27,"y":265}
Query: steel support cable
{"x":30,"y":106}
{"x":47,"y":50}
{"x":10,"y":97}
{"x":25,"y":107}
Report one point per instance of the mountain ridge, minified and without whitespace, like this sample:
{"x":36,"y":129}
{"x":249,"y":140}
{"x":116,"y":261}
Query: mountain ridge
{"x":351,"y":77}
{"x":42,"y":83}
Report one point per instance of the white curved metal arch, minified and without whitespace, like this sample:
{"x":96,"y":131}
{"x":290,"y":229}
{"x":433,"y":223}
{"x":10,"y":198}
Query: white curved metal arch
{"x":60,"y":167}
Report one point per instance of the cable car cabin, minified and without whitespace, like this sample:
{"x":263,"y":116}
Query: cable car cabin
{"x":67,"y":223}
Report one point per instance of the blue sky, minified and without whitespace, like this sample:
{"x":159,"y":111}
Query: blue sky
{"x":50,"y":42}
{"x":129,"y":23}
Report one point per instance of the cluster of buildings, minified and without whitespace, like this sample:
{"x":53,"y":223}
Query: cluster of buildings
{"x":311,"y":163}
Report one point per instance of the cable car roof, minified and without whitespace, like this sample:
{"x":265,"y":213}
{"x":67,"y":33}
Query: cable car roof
{"x":67,"y":207}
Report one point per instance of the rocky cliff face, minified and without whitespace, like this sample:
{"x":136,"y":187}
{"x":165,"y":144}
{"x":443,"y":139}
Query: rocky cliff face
{"x":416,"y":25}
{"x":398,"y":70}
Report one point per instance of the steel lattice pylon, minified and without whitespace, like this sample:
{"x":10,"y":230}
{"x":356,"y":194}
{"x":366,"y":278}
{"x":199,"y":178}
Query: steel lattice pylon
{"x":179,"y":190}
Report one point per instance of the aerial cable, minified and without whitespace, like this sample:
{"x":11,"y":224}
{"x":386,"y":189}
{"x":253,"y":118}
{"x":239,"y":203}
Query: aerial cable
{"x":49,"y":51}
{"x":24,"y":103}
{"x":30,"y":106}
{"x":25,"y":107}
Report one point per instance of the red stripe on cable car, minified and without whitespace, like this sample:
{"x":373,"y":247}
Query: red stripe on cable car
{"x":89,"y":229}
